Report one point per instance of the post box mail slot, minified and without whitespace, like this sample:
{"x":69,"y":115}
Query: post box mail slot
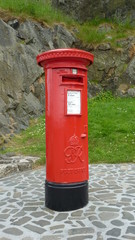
{"x":66,"y":186}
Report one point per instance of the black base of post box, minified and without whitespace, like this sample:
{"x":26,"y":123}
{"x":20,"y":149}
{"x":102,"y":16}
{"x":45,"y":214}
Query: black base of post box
{"x":66,"y":197}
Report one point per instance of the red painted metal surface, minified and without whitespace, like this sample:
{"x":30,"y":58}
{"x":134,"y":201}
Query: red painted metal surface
{"x":66,"y":114}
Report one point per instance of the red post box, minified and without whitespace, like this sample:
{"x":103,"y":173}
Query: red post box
{"x":66,"y":186}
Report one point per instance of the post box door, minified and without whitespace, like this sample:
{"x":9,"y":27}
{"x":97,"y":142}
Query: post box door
{"x":67,"y":136}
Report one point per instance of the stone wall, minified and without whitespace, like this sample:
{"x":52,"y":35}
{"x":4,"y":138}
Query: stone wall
{"x":83,"y":10}
{"x":22,"y":88}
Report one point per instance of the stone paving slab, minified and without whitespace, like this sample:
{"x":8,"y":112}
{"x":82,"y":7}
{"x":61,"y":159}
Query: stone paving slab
{"x":109,"y":215}
{"x":10,"y":163}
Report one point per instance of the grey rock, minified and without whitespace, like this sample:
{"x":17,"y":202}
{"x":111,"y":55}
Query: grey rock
{"x":62,"y":37}
{"x":22,"y":85}
{"x":2,"y":105}
{"x":104,"y":47}
{"x":29,"y":105}
{"x":11,"y":164}
{"x":131,"y":92}
{"x":14,"y":23}
{"x":34,"y":34}
{"x":6,"y":30}
{"x":129,"y":74}
{"x":6,"y":169}
{"x":104,"y":28}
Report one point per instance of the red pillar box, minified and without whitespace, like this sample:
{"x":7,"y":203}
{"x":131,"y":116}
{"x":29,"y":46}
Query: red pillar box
{"x":66,"y":186}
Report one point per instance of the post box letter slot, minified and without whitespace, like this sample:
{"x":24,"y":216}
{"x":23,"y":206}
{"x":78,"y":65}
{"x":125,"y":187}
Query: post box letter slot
{"x":72,"y":80}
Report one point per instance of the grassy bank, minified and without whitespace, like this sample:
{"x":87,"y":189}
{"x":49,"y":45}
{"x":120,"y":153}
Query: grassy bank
{"x":89,"y":32}
{"x":111,"y":132}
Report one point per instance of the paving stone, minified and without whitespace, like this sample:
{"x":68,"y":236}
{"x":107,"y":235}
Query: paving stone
{"x":86,"y":237}
{"x":131,"y":229}
{"x":128,"y":237}
{"x":129,"y":209}
{"x":32,"y":209}
{"x":108,"y":209}
{"x":49,"y":217}
{"x":19,"y":214}
{"x":128,"y":216}
{"x":115,"y":232}
{"x":1,"y":226}
{"x":53,"y":237}
{"x":77,"y":213}
{"x":27,"y":238}
{"x":34,"y":228}
{"x":42,"y":223}
{"x":13,"y":231}
{"x":99,"y":224}
{"x":105,"y":216}
{"x":61,"y":217}
{"x":17,"y":195}
{"x":81,"y":223}
{"x":3,"y":238}
{"x":78,"y":231}
{"x":38,"y":214}
{"x":57,"y":227}
{"x":22,"y":221}
{"x":4,"y":216}
{"x":124,"y":199}
{"x":117,"y":223}
{"x":92,"y":218}
{"x":113,"y":238}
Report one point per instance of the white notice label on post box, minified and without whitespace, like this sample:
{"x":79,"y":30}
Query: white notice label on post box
{"x":73,"y":102}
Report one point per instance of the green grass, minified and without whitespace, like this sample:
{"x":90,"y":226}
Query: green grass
{"x":111,"y":132}
{"x":88,"y":32}
{"x":31,"y":141}
{"x":40,"y":10}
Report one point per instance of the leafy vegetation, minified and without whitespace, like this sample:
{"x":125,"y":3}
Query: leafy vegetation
{"x":89,"y":32}
{"x":111,"y":132}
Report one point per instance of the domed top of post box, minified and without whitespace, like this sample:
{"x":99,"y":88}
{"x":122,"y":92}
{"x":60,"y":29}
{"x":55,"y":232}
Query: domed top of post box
{"x":65,"y":54}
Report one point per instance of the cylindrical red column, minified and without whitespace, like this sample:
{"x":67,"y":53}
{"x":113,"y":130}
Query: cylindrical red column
{"x":66,"y":186}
